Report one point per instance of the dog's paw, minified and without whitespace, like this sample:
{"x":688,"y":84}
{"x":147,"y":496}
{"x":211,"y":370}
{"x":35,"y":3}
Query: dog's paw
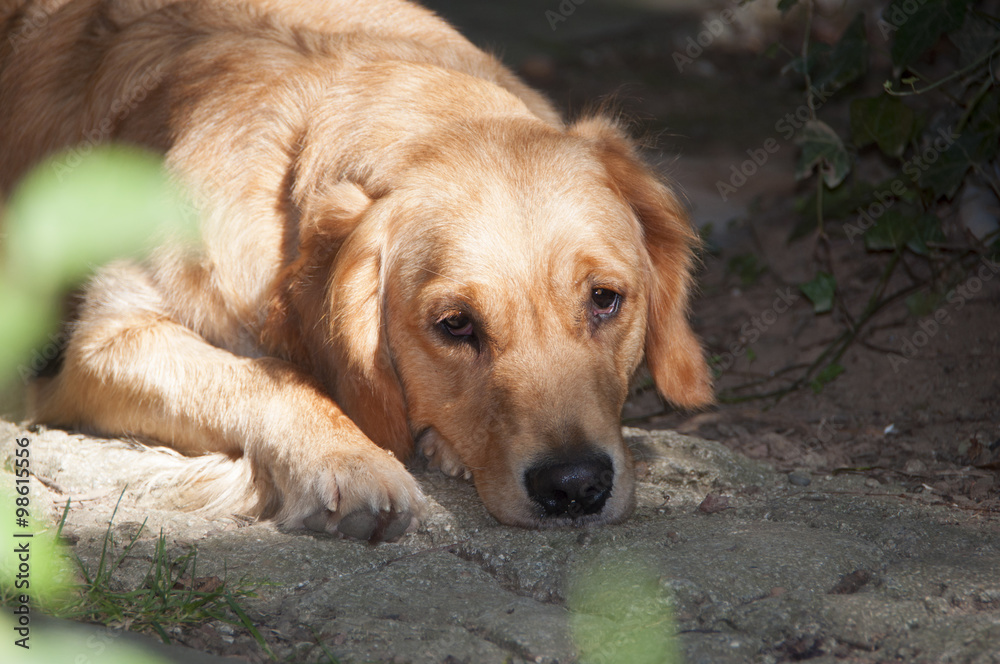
{"x":369,"y":497}
{"x":440,"y":455}
{"x":365,"y":525}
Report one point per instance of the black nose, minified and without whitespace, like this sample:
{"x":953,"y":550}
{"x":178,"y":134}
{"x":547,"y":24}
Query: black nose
{"x":571,"y":488}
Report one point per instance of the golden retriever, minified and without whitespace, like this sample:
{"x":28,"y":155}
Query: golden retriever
{"x":403,"y":247}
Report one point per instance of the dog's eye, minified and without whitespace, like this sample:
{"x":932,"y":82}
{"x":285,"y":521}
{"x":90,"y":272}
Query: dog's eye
{"x":458,"y":325}
{"x":605,"y":301}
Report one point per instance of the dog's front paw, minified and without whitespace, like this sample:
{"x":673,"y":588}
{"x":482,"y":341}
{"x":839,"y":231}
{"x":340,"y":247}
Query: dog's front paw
{"x":369,"y":497}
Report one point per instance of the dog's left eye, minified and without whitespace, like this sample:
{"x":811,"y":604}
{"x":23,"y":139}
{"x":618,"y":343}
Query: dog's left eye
{"x":458,"y":325}
{"x":605,"y":301}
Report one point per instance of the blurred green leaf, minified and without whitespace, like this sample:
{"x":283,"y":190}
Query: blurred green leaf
{"x":76,"y":212}
{"x":70,"y":215}
{"x":883,"y":120}
{"x":52,"y":574}
{"x":620,"y":614}
{"x":822,"y":149}
{"x":785,"y":5}
{"x":24,"y":319}
{"x":820,"y":291}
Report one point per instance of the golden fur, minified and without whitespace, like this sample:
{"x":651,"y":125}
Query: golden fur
{"x":369,"y":182}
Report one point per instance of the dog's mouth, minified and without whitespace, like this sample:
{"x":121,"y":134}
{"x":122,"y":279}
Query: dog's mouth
{"x":567,"y":489}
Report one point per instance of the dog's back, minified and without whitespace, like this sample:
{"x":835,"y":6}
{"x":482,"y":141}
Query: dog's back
{"x":90,"y":71}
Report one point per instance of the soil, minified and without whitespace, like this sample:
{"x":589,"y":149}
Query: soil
{"x":822,"y":526}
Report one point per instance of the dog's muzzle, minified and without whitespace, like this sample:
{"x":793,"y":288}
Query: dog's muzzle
{"x":573,"y":487}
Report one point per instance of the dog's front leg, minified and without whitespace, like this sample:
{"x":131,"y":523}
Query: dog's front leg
{"x":130,"y":369}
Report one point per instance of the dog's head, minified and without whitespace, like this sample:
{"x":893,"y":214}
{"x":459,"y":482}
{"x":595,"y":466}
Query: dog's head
{"x":494,"y":304}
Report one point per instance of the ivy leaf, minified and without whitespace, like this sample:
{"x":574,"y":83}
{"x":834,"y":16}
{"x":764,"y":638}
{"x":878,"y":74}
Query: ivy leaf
{"x":822,"y":149}
{"x":883,"y":120}
{"x":846,"y":61}
{"x":892,"y":230}
{"x":942,"y":172}
{"x":820,"y":291}
{"x":904,"y":226}
{"x":925,"y":228}
{"x":841,"y":203}
{"x":918,"y":26}
{"x":975,"y":39}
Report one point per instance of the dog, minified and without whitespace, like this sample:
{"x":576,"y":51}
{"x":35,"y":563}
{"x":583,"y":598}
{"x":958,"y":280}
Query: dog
{"x":403,"y":247}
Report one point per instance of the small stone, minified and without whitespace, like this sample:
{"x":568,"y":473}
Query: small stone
{"x":851,"y":583}
{"x":714,"y":503}
{"x":915,"y":467}
{"x":799,"y":479}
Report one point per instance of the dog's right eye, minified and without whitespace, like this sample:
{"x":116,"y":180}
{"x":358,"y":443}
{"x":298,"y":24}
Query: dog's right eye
{"x":458,"y":325}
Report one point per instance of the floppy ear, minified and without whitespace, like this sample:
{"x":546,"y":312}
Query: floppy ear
{"x":367,"y":387}
{"x":332,"y":314}
{"x":673,"y":353}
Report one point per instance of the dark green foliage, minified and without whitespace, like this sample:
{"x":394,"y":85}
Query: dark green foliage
{"x":820,"y":292}
{"x":885,"y":121}
{"x":933,"y":128}
{"x":916,"y":31}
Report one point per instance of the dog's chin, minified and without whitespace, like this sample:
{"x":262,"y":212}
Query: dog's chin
{"x":513,"y":510}
{"x":541,"y":522}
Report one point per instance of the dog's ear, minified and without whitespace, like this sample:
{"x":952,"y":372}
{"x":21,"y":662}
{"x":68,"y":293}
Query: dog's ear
{"x":673,"y":353}
{"x":338,"y":299}
{"x":367,"y":387}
